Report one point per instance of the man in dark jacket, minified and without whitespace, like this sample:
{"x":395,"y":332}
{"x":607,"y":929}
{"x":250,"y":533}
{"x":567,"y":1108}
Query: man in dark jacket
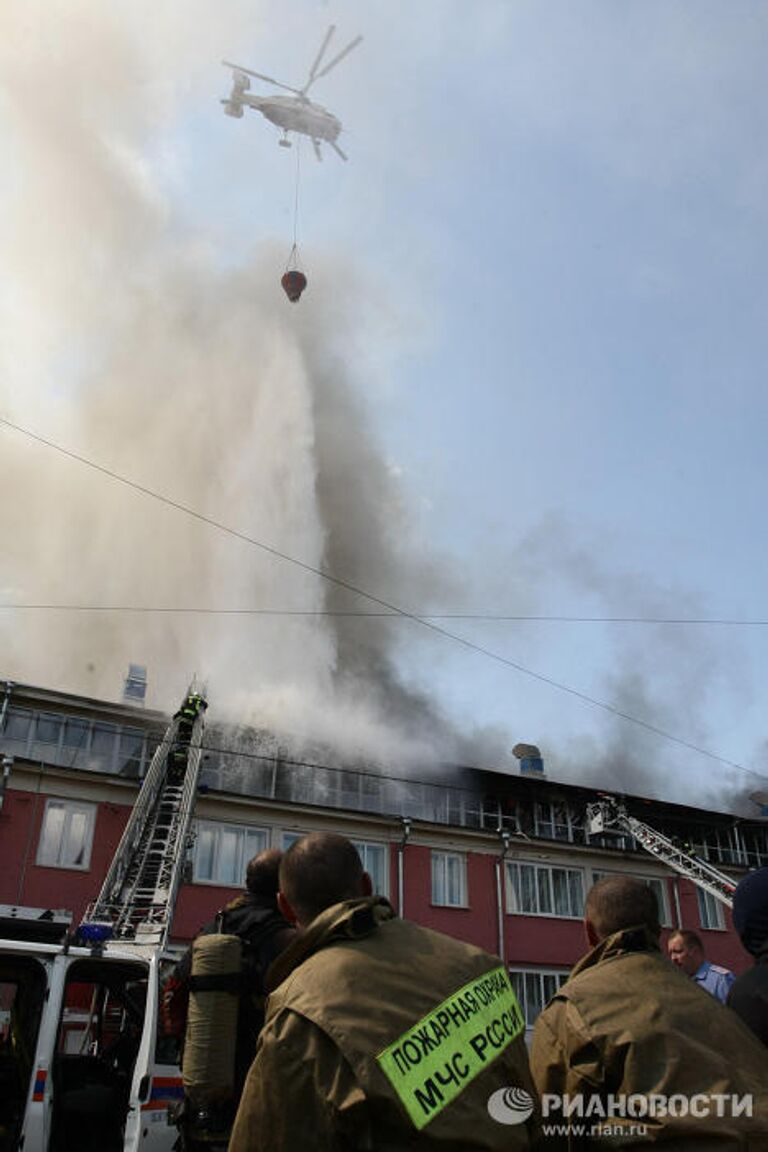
{"x":630,"y":1053}
{"x":749,"y":995}
{"x":254,"y":917}
{"x":382,"y":1035}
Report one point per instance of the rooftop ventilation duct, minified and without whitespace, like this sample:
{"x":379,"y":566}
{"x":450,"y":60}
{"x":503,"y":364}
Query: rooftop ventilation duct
{"x":531,"y":762}
{"x":135,"y":690}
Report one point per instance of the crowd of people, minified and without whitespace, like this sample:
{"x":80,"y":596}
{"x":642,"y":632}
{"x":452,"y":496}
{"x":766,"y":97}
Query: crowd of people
{"x":377,"y":1034}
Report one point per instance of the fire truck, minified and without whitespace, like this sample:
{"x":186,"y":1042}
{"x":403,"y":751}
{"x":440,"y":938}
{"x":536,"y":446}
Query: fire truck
{"x":84,"y":1064}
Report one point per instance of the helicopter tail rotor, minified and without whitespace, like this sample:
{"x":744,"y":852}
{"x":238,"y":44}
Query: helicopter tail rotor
{"x":245,"y":72}
{"x":233,"y":108}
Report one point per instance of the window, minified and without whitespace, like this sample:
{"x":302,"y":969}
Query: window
{"x":103,"y":745}
{"x":48,"y":729}
{"x":17,"y":724}
{"x":75,"y":732}
{"x":534,"y":989}
{"x":77,"y":741}
{"x":710,"y":910}
{"x":541,"y":890}
{"x":755,"y":846}
{"x":222,"y":852}
{"x":555,"y":822}
{"x":655,"y":884}
{"x":66,"y":835}
{"x":561,"y":822}
{"x":375,"y":860}
{"x":544,"y":824}
{"x":129,"y":752}
{"x":660,"y":888}
{"x":449,"y":879}
{"x":291,"y":838}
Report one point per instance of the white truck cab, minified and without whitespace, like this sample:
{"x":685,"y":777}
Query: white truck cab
{"x":83,"y":1065}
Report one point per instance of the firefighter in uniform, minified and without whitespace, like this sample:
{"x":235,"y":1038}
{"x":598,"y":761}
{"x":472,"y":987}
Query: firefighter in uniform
{"x":636,"y":1044}
{"x":381,"y":1034}
{"x":179,"y":753}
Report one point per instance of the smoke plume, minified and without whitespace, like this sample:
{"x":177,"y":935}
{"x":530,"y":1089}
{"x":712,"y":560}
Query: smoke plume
{"x":129,"y":338}
{"x":129,"y":341}
{"x":666,"y":676}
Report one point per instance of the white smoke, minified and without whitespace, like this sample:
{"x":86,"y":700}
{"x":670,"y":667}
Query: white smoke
{"x":127,"y":339}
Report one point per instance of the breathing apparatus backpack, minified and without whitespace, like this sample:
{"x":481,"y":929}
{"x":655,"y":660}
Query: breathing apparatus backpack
{"x":215,"y":989}
{"x":226,"y":1012}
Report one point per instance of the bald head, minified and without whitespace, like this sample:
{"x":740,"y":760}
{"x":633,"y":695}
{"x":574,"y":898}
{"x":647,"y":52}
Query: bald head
{"x":318,"y":871}
{"x":619,"y":902}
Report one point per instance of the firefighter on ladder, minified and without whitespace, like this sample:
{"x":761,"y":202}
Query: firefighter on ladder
{"x":179,"y":753}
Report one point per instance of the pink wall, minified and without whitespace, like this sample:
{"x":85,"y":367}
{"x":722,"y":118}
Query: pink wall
{"x":22,"y":881}
{"x":476,"y":923}
{"x":17,"y":822}
{"x":536,"y":941}
{"x":545,"y":941}
{"x":198,"y":905}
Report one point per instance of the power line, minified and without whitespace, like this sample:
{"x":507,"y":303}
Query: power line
{"x":238,"y":535}
{"x":491,"y":617}
{"x":275,"y":757}
{"x":392,"y":608}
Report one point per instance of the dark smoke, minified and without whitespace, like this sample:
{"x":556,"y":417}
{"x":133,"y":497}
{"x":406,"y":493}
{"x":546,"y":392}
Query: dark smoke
{"x":129,"y":342}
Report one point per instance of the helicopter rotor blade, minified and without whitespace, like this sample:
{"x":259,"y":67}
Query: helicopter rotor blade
{"x":321,"y":53}
{"x":332,"y":64}
{"x":260,"y":76}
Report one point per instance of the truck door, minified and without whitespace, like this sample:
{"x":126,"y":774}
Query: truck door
{"x":23,"y":986}
{"x":97,"y":1043}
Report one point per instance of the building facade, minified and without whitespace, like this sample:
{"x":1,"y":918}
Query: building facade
{"x":503,"y":861}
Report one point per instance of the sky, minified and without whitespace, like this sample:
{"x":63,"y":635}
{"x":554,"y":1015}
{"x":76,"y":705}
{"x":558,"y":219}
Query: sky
{"x":525,"y":378}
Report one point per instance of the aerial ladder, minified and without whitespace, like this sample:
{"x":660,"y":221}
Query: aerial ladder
{"x":136,"y":902}
{"x":91,"y":1067}
{"x":609,"y":815}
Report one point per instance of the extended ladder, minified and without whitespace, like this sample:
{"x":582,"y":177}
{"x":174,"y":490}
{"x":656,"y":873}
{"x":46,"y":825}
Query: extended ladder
{"x":609,"y":815}
{"x":138,"y":896}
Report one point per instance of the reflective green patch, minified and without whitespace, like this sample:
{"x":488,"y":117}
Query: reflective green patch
{"x":435,"y":1060}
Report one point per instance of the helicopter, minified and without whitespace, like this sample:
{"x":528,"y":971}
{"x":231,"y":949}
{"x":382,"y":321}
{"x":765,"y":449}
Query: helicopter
{"x":291,"y":113}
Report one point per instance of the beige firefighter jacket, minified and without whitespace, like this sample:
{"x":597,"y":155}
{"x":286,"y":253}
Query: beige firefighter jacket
{"x":385,"y":1036}
{"x":628,"y":1022}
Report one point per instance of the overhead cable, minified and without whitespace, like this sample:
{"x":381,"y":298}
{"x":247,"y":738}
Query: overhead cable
{"x":276,"y":757}
{"x":490,"y":617}
{"x":423,"y":621}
